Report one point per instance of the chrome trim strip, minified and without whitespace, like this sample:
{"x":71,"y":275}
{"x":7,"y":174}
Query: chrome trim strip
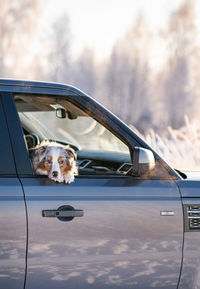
{"x":194,"y":211}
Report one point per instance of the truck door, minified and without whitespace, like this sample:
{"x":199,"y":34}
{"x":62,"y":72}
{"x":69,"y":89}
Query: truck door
{"x":123,"y":239}
{"x":107,"y":229}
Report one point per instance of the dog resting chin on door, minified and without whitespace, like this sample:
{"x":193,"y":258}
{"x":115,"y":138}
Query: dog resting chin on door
{"x":55,"y":160}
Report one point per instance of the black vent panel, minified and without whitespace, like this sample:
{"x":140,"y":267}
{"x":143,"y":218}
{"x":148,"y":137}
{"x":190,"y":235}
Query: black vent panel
{"x":192,"y":216}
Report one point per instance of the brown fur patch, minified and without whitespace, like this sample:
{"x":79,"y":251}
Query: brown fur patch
{"x":50,"y":158}
{"x":65,"y":169}
{"x":60,"y":159}
{"x":42,"y":166}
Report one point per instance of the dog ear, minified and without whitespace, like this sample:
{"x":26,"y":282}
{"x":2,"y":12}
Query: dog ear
{"x":72,"y":153}
{"x":40,"y":150}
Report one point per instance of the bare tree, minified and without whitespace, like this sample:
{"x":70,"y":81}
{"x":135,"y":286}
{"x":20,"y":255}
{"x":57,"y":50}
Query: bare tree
{"x":18,"y":23}
{"x":128,"y":77}
{"x":59,"y":47}
{"x":179,"y":90}
{"x":85,"y":72}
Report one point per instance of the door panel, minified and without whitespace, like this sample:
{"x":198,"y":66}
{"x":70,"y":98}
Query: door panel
{"x":12,"y":234}
{"x":122,"y":241}
{"x":12,"y":214}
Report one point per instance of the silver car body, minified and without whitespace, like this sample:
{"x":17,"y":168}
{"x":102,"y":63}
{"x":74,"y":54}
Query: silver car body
{"x":131,"y":232}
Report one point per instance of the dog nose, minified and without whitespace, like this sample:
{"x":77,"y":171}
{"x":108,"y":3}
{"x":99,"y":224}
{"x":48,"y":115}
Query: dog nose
{"x":55,"y":174}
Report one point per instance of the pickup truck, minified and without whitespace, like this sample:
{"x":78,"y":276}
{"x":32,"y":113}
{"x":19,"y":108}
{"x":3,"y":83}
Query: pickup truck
{"x":139,"y":225}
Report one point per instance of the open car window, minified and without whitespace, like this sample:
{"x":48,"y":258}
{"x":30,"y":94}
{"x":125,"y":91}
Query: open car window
{"x":55,"y":119}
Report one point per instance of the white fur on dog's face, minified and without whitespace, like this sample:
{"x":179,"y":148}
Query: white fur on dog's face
{"x":56,"y":161}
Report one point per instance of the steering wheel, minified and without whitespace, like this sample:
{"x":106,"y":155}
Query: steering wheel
{"x":32,"y":140}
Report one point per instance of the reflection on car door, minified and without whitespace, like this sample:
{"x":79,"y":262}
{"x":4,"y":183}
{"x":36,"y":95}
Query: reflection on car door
{"x":12,"y":216}
{"x":12,"y":234}
{"x":130,"y":235}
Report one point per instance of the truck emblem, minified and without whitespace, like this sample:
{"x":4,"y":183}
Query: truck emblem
{"x":167,"y":213}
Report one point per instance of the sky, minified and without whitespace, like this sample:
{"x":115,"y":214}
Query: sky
{"x":97,"y":24}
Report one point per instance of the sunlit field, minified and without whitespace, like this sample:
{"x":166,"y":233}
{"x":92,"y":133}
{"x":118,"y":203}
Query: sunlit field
{"x":180,"y":148}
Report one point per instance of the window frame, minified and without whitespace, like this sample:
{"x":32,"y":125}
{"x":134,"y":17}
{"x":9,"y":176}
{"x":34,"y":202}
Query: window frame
{"x":92,"y":108}
{"x":7,"y":168}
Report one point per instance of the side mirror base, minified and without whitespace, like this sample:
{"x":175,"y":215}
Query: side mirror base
{"x":143,"y":161}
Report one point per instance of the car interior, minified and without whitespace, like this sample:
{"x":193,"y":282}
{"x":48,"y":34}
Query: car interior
{"x":99,"y":152}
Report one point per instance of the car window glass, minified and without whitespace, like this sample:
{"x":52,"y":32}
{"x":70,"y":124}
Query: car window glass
{"x":98,"y":150}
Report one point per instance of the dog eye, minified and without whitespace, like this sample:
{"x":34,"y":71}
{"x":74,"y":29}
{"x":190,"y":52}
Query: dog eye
{"x":49,"y":162}
{"x":61,"y":162}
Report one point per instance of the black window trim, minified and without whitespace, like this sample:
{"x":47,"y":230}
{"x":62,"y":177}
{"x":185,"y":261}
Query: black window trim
{"x":20,"y":153}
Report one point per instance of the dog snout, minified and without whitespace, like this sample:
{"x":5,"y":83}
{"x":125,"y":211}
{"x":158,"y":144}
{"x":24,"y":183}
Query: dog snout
{"x":55,"y":174}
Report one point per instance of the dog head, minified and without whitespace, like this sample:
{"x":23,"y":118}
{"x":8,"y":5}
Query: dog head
{"x":54,"y":160}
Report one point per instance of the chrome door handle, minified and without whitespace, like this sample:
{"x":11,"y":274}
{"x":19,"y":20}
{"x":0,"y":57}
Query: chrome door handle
{"x":63,"y":213}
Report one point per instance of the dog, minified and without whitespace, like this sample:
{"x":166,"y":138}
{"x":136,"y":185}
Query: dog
{"x":55,"y":160}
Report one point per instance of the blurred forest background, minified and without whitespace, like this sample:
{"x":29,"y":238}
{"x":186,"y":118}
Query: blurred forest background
{"x":163,"y":103}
